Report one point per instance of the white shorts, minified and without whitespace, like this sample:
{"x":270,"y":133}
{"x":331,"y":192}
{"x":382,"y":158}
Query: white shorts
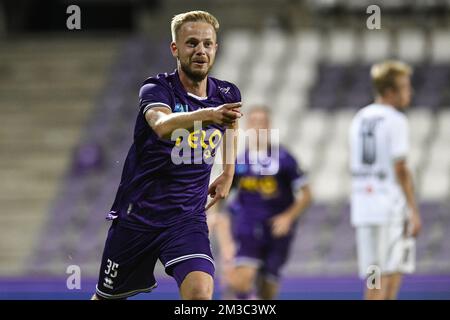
{"x":384,"y":248}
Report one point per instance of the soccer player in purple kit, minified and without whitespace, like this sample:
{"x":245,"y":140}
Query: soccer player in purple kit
{"x":263,"y":214}
{"x":159,"y":209}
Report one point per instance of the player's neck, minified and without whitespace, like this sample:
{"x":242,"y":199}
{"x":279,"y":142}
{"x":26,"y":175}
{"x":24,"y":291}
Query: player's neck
{"x":384,"y":101}
{"x":196,"y":88}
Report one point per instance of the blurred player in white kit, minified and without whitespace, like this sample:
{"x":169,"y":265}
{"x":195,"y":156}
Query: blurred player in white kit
{"x":383,"y":206}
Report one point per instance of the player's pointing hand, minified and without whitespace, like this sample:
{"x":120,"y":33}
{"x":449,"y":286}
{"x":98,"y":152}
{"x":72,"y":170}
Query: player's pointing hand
{"x":226,"y":114}
{"x":219,"y":189}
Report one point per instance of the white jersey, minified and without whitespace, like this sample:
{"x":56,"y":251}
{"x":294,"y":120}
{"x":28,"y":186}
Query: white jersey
{"x":378,"y":137}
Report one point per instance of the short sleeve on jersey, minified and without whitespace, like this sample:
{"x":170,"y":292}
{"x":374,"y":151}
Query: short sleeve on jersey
{"x":154,"y":95}
{"x":236,"y":93}
{"x":295,"y":174}
{"x":399,"y":137}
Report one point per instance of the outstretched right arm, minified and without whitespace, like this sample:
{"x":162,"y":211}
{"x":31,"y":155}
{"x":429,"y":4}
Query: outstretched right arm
{"x":164,"y":122}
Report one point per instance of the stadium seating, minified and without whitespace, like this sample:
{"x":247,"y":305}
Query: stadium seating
{"x":47,"y":87}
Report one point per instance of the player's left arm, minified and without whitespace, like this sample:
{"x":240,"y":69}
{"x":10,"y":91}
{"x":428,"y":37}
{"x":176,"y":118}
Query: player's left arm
{"x":404,"y":178}
{"x":399,"y":148}
{"x":220,"y":188}
{"x":302,"y":201}
{"x":282,"y":222}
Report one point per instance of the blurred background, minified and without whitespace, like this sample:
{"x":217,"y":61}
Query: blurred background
{"x":69,"y":99}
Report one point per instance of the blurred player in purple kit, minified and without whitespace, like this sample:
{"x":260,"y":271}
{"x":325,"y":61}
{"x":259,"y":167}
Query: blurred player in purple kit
{"x":159,"y":209}
{"x":263,"y":214}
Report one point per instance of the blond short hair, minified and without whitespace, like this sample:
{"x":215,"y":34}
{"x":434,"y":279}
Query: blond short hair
{"x":192,"y":16}
{"x":383,"y":74}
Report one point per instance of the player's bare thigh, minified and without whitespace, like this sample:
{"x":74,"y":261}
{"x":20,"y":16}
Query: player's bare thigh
{"x":197,"y":285}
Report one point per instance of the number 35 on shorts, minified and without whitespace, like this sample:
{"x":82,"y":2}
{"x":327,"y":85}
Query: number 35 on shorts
{"x":111,"y":268}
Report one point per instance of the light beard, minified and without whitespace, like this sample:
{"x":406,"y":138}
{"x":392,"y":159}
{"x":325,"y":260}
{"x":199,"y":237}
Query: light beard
{"x":194,"y":76}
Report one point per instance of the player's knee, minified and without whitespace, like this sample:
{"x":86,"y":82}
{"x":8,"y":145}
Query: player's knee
{"x":242,"y":282}
{"x":197,"y":286}
{"x":243,"y":286}
{"x":198,"y":291}
{"x":96,"y":297}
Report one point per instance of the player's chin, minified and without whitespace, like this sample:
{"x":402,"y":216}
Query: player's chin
{"x":198,"y":74}
{"x":200,"y":70}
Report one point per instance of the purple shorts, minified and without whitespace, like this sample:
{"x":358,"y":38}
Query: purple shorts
{"x":257,"y":247}
{"x":130,"y":256}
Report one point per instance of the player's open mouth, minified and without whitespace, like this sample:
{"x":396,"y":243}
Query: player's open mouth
{"x":200,"y":63}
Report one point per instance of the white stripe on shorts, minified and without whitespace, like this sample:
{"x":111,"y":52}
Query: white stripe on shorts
{"x":189,"y":256}
{"x":125,"y":294}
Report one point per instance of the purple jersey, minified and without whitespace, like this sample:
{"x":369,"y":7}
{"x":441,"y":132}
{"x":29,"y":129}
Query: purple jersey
{"x":259,"y":196}
{"x":154,"y":190}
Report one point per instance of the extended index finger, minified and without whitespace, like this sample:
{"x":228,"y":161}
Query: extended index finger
{"x":232,"y":114}
{"x":233,"y":105}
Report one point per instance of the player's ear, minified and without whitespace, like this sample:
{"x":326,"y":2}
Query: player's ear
{"x":174,"y":49}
